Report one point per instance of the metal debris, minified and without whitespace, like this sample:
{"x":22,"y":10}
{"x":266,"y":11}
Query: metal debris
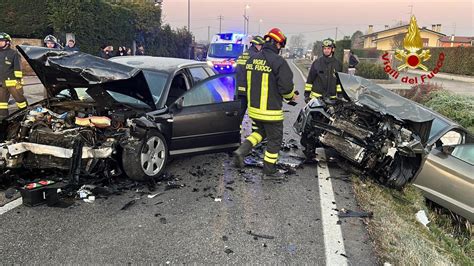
{"x":128,"y":205}
{"x":260,"y":235}
{"x":343,"y":213}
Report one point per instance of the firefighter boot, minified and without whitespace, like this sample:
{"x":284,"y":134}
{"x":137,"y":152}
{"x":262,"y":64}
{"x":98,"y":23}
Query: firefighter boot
{"x":241,"y":152}
{"x":270,"y":172}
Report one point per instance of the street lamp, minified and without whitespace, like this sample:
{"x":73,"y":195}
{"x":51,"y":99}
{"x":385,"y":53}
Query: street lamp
{"x":246,"y":19}
{"x":259,"y":24}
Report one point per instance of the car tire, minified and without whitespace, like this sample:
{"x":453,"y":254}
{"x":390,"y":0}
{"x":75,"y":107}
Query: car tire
{"x":145,"y":160}
{"x":403,"y":169}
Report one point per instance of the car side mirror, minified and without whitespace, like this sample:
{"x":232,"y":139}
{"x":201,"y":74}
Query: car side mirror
{"x":179,"y":103}
{"x":447,"y":149}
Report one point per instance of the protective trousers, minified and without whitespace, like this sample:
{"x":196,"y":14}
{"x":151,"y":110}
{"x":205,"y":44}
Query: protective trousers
{"x":17,"y":94}
{"x":243,"y":102}
{"x":273,"y":132}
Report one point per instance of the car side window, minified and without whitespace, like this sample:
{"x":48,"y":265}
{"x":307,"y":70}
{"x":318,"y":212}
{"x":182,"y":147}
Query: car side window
{"x":210,"y":71}
{"x":178,"y":87}
{"x":216,"y":90}
{"x":452,"y":138}
{"x":464,"y":153}
{"x":198,"y":74}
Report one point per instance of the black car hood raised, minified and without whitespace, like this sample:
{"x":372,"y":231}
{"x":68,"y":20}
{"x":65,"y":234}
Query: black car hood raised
{"x":373,"y":96}
{"x":59,"y":70}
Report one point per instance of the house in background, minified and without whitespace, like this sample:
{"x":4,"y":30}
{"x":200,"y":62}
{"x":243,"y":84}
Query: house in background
{"x":392,"y":38}
{"x":456,"y":41}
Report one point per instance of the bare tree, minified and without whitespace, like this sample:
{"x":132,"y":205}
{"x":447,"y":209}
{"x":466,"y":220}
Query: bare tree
{"x":397,"y":41}
{"x":297,"y":41}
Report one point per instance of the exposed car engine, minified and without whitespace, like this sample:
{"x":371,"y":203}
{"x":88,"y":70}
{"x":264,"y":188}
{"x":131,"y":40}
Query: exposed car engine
{"x":68,"y":135}
{"x":368,"y":141}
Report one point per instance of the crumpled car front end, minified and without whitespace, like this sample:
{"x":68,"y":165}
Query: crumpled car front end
{"x":374,"y":131}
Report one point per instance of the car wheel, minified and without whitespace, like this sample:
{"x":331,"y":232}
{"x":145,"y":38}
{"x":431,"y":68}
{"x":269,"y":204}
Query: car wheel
{"x":145,"y":159}
{"x":402,"y":171}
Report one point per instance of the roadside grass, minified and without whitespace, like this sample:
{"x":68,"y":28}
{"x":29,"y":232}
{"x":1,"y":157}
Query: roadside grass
{"x":399,"y":238}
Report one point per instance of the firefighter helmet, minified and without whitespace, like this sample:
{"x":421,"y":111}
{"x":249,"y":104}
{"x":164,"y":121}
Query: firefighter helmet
{"x":257,"y":40}
{"x":329,"y":43}
{"x":276,"y":35}
{"x":5,"y":37}
{"x":50,"y":38}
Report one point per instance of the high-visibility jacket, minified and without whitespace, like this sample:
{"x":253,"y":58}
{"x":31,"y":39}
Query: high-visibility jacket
{"x":10,"y":68}
{"x":322,"y":79}
{"x":240,"y":69}
{"x":269,"y":81}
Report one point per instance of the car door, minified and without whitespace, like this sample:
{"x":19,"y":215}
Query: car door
{"x":206,"y":117}
{"x":446,"y":177}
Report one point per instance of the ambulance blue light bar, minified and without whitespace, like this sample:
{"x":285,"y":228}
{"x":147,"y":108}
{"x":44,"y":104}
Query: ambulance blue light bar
{"x":226,"y":36}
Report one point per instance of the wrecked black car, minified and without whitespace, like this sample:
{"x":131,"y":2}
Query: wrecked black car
{"x":372,"y":130}
{"x":129,"y":114}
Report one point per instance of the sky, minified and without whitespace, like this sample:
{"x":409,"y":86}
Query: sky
{"x":318,"y":19}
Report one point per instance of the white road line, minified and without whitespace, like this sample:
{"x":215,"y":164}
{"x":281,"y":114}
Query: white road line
{"x":11,"y":205}
{"x":299,"y":70}
{"x":333,"y":241}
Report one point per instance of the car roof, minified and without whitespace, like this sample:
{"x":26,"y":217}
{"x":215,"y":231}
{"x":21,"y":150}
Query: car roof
{"x":164,"y":64}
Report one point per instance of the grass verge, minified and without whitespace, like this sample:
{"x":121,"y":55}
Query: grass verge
{"x":400,"y":239}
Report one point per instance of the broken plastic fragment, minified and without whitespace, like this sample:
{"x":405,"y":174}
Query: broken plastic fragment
{"x":422,"y":218}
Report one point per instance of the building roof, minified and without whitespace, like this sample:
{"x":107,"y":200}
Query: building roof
{"x":401,"y":27}
{"x":457,"y":39}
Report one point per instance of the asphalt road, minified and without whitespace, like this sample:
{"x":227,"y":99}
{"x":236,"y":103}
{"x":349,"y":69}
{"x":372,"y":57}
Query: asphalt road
{"x":189,"y":225}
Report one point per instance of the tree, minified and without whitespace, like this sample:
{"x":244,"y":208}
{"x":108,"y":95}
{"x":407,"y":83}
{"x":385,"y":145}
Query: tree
{"x":357,"y":41}
{"x":317,"y":50}
{"x":297,"y":41}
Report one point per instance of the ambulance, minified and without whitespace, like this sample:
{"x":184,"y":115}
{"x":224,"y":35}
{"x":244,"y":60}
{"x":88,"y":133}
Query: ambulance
{"x":224,"y":50}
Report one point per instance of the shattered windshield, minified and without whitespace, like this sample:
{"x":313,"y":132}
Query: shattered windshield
{"x":156,"y":82}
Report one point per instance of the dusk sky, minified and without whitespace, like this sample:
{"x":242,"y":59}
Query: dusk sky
{"x":318,"y":19}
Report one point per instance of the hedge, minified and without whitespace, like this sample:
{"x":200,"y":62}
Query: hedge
{"x":458,"y":60}
{"x":95,"y":23}
{"x":371,"y":71}
{"x":459,"y":108}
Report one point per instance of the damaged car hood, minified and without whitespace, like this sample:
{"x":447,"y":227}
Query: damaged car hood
{"x":59,"y":70}
{"x":364,"y":92}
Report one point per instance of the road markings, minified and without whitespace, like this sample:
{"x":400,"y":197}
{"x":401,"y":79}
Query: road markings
{"x":11,"y":205}
{"x":333,"y":241}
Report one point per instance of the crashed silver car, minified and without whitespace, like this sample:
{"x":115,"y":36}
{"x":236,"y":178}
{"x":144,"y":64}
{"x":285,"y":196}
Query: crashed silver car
{"x":102,"y":118}
{"x":374,"y":131}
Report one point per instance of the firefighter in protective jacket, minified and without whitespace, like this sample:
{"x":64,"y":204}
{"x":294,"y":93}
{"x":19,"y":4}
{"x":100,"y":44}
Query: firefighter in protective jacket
{"x":11,"y":76}
{"x":269,"y":81}
{"x":322,"y":78}
{"x":255,"y":47}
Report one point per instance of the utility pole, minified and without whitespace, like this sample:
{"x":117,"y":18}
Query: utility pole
{"x":189,"y":27}
{"x":220,"y":18}
{"x":189,"y":15}
{"x":208,"y":34}
{"x":335,"y":39}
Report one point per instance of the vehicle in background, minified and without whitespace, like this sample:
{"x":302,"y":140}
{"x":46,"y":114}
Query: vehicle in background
{"x":224,"y":50}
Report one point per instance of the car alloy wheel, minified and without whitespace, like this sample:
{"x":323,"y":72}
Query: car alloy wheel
{"x":153,"y":156}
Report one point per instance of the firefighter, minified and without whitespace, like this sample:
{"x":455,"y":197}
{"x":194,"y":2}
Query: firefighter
{"x":269,"y":80}
{"x":11,"y":76}
{"x":255,"y":46}
{"x":322,"y":79}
